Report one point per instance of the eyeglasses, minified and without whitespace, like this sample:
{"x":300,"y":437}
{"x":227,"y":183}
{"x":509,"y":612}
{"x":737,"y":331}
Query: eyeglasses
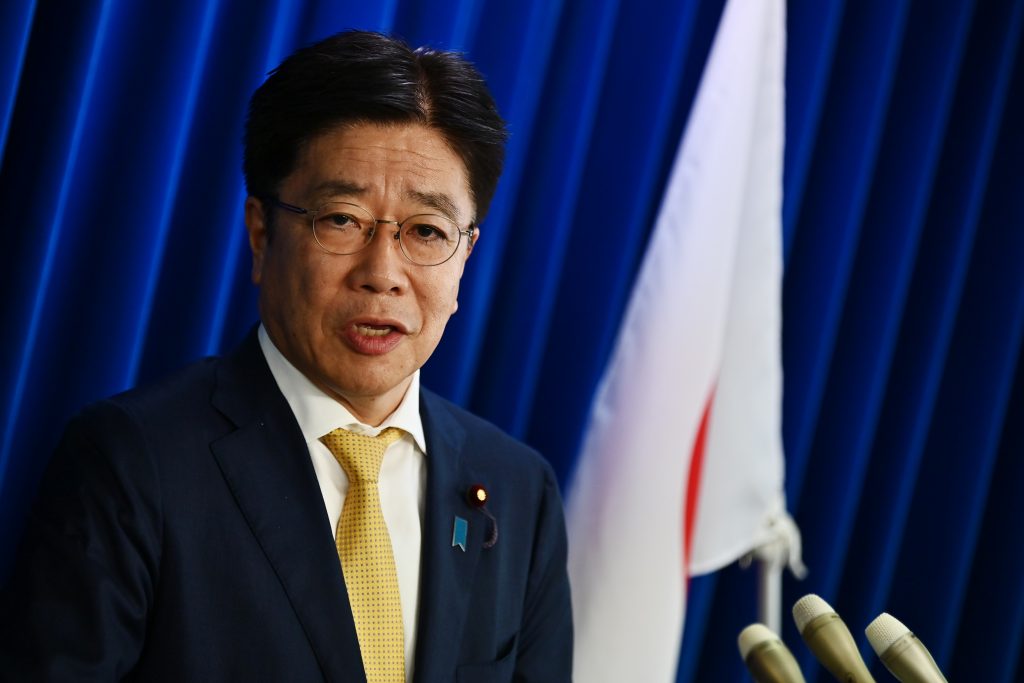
{"x":342,"y":228}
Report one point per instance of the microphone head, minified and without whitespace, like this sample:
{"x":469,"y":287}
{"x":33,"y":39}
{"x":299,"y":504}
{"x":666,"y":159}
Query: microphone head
{"x":808,"y":608}
{"x":752,"y":636}
{"x":830,"y":640}
{"x":767,"y":658}
{"x":884,"y":631}
{"x":903,"y":654}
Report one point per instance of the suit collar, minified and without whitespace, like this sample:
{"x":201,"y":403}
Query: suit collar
{"x":446,"y":572}
{"x":267,"y":467}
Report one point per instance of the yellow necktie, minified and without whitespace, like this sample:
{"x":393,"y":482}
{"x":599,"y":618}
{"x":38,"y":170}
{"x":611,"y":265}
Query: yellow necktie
{"x":367,"y":560}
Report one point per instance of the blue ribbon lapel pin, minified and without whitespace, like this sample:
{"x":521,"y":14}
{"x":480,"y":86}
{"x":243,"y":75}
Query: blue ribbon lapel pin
{"x":459,"y":531}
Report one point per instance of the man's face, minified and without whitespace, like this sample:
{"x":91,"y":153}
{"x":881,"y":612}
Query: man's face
{"x":358,"y":326}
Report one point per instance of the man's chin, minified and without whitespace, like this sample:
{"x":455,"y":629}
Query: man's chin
{"x":368,"y":390}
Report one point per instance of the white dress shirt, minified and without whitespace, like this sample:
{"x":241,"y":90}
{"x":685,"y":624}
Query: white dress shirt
{"x":402,"y":480}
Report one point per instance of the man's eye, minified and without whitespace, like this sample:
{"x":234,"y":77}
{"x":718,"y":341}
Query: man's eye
{"x":339,"y":221}
{"x":427,"y":232}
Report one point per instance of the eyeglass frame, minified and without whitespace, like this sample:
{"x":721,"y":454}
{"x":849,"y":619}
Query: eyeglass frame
{"x":292,"y":208}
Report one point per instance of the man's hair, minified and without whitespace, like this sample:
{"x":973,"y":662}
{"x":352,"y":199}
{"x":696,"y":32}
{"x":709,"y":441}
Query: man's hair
{"x":361,"y":77}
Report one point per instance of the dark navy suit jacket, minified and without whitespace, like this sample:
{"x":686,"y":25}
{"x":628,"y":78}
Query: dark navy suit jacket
{"x":180,"y":535}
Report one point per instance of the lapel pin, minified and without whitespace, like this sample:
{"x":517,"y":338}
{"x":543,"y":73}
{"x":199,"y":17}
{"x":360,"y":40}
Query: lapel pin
{"x":459,"y":530}
{"x":477,"y":496}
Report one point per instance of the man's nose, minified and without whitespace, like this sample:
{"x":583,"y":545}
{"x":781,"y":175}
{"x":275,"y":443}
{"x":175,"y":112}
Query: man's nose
{"x":381,"y":264}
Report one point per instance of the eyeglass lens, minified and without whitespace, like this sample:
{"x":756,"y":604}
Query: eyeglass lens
{"x":344,"y":228}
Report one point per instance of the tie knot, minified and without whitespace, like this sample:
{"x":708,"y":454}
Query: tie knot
{"x":360,"y":456}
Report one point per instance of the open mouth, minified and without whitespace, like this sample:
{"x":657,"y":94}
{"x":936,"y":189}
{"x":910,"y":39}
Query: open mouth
{"x":374,"y":339}
{"x":374,"y":330}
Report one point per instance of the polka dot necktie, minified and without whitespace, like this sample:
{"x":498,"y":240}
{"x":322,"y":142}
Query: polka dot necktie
{"x":367,"y":560}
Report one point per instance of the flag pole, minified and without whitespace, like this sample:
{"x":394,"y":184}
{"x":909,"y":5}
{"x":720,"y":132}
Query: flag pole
{"x":781,"y":550}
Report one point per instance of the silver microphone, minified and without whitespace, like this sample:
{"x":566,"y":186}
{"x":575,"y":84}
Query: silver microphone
{"x":767,"y":657}
{"x":829,"y":639}
{"x":903,"y":654}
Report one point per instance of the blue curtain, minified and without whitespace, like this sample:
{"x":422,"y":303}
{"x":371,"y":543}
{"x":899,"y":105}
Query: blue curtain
{"x":120,"y":206}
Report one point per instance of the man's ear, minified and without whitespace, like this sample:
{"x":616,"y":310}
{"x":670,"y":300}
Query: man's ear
{"x":469,"y":250}
{"x":256,"y":226}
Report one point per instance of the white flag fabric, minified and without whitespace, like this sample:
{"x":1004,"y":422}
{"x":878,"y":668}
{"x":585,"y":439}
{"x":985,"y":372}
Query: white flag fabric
{"x":681,"y":470}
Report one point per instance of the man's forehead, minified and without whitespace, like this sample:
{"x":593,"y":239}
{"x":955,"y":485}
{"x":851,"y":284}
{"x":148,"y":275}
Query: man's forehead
{"x":439,"y":201}
{"x":411,"y":160}
{"x":407,"y":143}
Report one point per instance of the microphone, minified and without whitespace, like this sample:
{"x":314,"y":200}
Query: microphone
{"x":903,"y":654}
{"x":767,"y":657}
{"x":829,"y":639}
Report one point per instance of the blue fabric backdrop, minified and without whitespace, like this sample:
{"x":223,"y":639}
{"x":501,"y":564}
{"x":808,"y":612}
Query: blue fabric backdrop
{"x":120,"y":206}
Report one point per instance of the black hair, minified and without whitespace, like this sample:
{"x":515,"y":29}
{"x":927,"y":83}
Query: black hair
{"x":363,"y":77}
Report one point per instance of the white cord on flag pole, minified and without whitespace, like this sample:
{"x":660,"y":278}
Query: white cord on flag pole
{"x":781,"y":550}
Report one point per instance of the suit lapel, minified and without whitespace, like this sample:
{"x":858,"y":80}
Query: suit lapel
{"x":446,"y":572}
{"x":266,"y":465}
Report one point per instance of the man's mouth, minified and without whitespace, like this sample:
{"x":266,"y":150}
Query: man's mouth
{"x":373,"y":330}
{"x":374,"y":338}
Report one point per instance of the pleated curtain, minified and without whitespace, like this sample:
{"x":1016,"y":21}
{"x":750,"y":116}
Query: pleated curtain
{"x":125,"y":257}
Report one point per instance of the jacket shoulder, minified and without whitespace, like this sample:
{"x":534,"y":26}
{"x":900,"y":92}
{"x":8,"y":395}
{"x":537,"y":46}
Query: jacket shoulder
{"x":485,"y":441}
{"x":186,"y":386}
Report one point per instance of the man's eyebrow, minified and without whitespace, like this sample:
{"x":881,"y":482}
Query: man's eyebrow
{"x":438,"y":201}
{"x":339,"y":187}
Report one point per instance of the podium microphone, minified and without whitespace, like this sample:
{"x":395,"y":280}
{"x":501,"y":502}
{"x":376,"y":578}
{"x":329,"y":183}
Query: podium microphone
{"x":767,"y":657}
{"x":903,"y":654}
{"x":830,"y":640}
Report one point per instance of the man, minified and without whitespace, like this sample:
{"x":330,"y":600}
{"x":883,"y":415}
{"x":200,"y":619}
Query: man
{"x":217,"y":526}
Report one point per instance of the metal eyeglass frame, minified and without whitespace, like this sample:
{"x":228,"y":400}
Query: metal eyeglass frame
{"x":468,"y":232}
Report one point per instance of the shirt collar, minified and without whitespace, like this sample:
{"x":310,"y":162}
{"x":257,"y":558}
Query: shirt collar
{"x":317,"y":413}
